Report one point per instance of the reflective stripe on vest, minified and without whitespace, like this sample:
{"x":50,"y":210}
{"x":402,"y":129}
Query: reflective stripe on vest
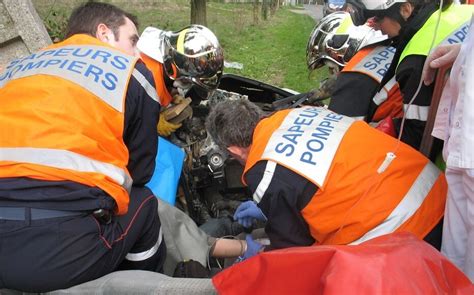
{"x":372,"y":61}
{"x":358,"y":118}
{"x":149,"y":89}
{"x":408,"y":205}
{"x":307,"y":141}
{"x":265,"y":182}
{"x":102,"y":71}
{"x":382,"y":95}
{"x":454,"y":24}
{"x":65,"y":160}
{"x":416,"y":112}
{"x":388,"y":104}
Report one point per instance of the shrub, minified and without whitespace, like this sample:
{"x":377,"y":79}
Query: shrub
{"x":56,"y":24}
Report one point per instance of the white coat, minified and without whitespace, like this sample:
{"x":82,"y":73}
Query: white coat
{"x":455,"y":125}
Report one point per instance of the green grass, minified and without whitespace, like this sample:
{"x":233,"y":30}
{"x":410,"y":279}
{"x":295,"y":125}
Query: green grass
{"x":272,"y":51}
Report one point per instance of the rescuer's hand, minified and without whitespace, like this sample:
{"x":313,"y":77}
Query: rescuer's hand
{"x":443,"y":55}
{"x":177,"y":99}
{"x":325,"y":90}
{"x":247,"y":212}
{"x":252,"y":248}
{"x":165,"y":128}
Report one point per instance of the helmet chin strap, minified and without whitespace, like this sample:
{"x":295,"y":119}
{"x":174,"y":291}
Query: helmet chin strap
{"x":168,"y":81}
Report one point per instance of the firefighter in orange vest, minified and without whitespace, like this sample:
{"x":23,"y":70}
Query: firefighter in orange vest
{"x":320,"y":178}
{"x":413,"y":26}
{"x":190,"y":59}
{"x":364,"y":56}
{"x":78,"y":144}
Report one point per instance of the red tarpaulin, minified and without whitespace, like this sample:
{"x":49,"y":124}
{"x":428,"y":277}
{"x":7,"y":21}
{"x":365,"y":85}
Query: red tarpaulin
{"x":392,"y":264}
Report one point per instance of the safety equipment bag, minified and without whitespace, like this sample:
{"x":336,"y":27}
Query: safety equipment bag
{"x":397,"y":263}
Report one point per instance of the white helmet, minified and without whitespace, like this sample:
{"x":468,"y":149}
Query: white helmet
{"x":362,"y":10}
{"x":336,"y":39}
{"x":151,"y":43}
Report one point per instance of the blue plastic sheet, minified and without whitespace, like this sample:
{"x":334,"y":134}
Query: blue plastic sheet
{"x":169,"y":162}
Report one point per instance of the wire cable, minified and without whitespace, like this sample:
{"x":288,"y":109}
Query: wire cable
{"x":402,"y":125}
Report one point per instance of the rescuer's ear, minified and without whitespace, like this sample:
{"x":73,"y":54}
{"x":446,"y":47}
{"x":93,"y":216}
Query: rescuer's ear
{"x":103,"y":33}
{"x":239,"y":153}
{"x":406,"y":9}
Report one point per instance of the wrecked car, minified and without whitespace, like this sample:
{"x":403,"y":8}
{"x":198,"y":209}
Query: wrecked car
{"x":210,"y":187}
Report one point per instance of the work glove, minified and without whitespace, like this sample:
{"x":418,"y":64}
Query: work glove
{"x":247,"y":212}
{"x":165,"y":128}
{"x":253,"y":248}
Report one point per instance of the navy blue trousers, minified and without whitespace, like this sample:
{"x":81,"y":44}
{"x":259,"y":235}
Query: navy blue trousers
{"x":57,"y":253}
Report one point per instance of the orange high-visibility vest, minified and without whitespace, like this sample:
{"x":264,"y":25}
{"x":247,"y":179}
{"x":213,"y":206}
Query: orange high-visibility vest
{"x":156,"y":68}
{"x":62,"y":112}
{"x":341,"y":156}
{"x":374,"y":62}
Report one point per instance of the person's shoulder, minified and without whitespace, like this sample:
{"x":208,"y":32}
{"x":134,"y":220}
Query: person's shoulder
{"x":141,"y":83}
{"x":142,"y":74}
{"x":141,"y":67}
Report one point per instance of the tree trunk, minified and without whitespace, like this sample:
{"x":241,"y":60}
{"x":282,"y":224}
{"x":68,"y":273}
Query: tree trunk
{"x":274,"y":6}
{"x":256,"y":10}
{"x":198,"y":12}
{"x":265,"y":9}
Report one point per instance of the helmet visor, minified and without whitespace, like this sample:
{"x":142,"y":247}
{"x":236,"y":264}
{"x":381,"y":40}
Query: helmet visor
{"x":320,"y":45}
{"x":204,"y":69}
{"x":357,"y":11}
{"x":183,"y":82}
{"x":313,"y":50}
{"x":360,"y":15}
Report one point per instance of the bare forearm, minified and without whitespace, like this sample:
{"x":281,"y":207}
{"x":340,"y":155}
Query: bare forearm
{"x":224,"y":248}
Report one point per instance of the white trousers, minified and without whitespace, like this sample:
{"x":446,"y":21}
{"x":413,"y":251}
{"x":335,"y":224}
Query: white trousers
{"x":458,"y":228}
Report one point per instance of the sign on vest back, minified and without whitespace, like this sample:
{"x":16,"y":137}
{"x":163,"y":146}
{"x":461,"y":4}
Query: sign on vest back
{"x":307,"y":141}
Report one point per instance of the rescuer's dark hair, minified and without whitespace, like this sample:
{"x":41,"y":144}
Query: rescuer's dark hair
{"x":232,"y":122}
{"x":86,"y":18}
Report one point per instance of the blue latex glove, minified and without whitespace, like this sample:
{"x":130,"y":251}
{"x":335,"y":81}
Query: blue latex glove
{"x":247,"y":212}
{"x":252,"y":248}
